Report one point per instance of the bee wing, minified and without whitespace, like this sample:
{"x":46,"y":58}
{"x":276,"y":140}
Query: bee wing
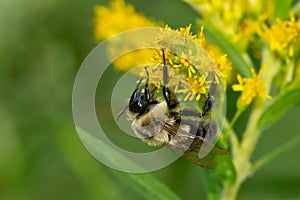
{"x":206,"y":162}
{"x":200,"y":142}
{"x":188,"y":146}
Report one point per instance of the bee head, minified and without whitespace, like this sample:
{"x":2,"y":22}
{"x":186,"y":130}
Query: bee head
{"x":138,"y":102}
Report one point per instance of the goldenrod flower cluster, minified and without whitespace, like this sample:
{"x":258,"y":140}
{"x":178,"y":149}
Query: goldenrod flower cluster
{"x":283,"y":36}
{"x":250,"y":88}
{"x":240,"y":20}
{"x":237,"y":19}
{"x":118,"y":17}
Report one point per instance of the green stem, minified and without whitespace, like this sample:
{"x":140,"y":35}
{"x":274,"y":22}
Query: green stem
{"x":290,"y":65}
{"x":235,"y":117}
{"x":232,"y":135}
{"x":242,"y":151}
{"x":230,"y":132}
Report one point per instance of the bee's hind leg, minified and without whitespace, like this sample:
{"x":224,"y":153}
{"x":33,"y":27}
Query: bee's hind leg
{"x":169,"y":95}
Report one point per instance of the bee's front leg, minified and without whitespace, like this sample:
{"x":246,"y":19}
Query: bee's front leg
{"x":146,"y":90}
{"x":169,"y":95}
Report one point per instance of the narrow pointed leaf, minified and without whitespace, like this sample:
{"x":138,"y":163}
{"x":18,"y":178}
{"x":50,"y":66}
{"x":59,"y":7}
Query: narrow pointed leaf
{"x":279,"y":107}
{"x":145,"y":184}
{"x":275,"y":153}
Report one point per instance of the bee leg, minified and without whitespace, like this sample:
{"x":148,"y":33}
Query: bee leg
{"x":152,"y":96}
{"x":149,"y":95}
{"x":207,"y":105}
{"x":209,"y":101}
{"x":169,"y":95}
{"x":146,"y":90}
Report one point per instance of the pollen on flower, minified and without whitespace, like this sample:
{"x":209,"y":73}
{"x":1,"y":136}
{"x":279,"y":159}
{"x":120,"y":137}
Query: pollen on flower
{"x":250,"y":88}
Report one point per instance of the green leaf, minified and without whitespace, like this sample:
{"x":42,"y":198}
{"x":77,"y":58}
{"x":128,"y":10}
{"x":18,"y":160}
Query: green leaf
{"x":233,"y":53}
{"x":93,"y":177}
{"x":145,"y":184}
{"x":278,"y":107}
{"x":282,"y":8}
{"x":275,"y":153}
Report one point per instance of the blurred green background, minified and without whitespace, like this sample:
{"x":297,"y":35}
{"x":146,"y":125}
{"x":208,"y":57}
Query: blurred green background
{"x":42,"y":44}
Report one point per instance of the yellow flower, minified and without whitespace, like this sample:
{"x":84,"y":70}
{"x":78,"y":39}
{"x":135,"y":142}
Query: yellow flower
{"x":246,"y":31}
{"x":235,"y":18}
{"x":188,"y":61}
{"x":184,"y":62}
{"x":195,"y":69}
{"x":132,"y":59}
{"x":250,"y":88}
{"x":199,"y":87}
{"x":283,"y":36}
{"x":221,"y":61}
{"x":114,"y":19}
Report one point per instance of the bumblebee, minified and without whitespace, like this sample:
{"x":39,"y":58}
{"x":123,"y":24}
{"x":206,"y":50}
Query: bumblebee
{"x":163,"y":123}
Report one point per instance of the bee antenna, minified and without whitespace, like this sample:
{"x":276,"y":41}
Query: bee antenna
{"x":165,"y":68}
{"x":147,"y":76}
{"x":163,"y":54}
{"x":137,"y":86}
{"x":121,"y":113}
